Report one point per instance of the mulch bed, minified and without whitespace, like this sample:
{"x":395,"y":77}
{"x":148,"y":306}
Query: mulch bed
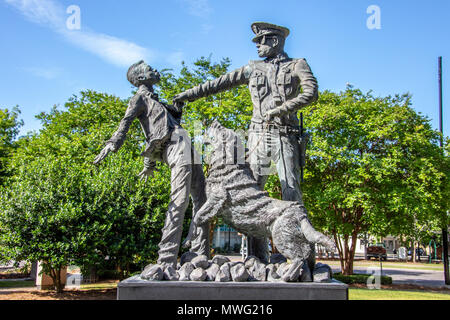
{"x":14,"y":275}
{"x":104,"y":294}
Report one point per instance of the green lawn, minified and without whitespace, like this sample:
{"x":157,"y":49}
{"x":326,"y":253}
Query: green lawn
{"x":99,"y":286}
{"x":367,"y":294}
{"x":16,"y":284}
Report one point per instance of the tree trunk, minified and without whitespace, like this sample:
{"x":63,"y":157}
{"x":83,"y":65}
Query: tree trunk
{"x":58,"y":284}
{"x":347,"y":254}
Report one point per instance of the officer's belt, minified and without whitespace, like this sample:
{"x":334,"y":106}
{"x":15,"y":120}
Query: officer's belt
{"x":267,"y":126}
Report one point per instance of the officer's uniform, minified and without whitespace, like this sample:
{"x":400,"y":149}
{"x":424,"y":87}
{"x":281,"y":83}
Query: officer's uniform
{"x":280,"y":82}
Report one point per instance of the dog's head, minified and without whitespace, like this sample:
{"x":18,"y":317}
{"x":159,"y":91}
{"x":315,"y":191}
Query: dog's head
{"x":224,"y":145}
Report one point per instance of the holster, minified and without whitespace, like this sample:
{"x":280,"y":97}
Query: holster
{"x":303,"y":144}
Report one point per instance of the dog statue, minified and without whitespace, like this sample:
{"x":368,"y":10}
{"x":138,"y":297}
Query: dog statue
{"x":233,"y":194}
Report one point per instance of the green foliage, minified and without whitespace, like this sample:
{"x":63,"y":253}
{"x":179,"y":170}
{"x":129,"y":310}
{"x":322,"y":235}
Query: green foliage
{"x":9,"y":129}
{"x":374,"y":166}
{"x":61,"y":209}
{"x":233,"y":108}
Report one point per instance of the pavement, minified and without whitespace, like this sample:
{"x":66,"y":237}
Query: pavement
{"x":420,"y":277}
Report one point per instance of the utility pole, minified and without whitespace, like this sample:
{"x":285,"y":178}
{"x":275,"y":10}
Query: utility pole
{"x":445,"y":227}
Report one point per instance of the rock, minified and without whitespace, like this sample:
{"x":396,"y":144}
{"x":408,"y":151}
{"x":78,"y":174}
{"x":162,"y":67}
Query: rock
{"x":277,"y":258}
{"x":170,"y":274}
{"x":220,"y":260}
{"x":224,"y":274}
{"x":291,"y":272}
{"x":250,"y":261}
{"x":212,"y":271}
{"x":305,"y":274}
{"x":198,"y":274}
{"x":200,"y":262}
{"x":281,"y":267}
{"x":153,"y":272}
{"x":258,"y":272}
{"x":233,"y":263}
{"x":185,"y":271}
{"x":187,"y":257}
{"x":322,"y":273}
{"x":272,"y":274}
{"x":239,"y":273}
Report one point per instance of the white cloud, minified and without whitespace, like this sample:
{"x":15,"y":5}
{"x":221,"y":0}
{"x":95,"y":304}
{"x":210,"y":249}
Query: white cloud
{"x":114,"y":50}
{"x":51,"y":14}
{"x":199,"y":8}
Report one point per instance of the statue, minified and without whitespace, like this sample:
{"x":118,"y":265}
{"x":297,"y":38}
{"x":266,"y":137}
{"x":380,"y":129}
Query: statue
{"x":234,"y":194}
{"x":166,"y":141}
{"x":279,"y":87}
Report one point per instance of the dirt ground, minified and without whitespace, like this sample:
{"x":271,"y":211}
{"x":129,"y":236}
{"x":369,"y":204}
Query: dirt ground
{"x":33,"y":294}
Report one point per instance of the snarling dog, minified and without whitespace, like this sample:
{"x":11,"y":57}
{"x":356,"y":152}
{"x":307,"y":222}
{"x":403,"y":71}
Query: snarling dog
{"x":233,"y":194}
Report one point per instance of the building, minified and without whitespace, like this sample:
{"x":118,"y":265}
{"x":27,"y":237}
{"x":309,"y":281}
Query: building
{"x":226,"y":238}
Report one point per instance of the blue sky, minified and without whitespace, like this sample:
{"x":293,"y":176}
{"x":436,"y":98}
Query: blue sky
{"x":43,"y":63}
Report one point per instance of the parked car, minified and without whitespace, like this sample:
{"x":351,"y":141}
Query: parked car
{"x":376,"y":251}
{"x":419,"y":252}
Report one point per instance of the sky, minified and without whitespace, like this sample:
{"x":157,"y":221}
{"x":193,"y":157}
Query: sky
{"x":53,"y":49}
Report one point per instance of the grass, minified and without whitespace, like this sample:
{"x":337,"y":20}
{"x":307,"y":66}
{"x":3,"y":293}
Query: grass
{"x":100,"y":286}
{"x":16,"y":284}
{"x":367,"y":294}
{"x":359,"y":278}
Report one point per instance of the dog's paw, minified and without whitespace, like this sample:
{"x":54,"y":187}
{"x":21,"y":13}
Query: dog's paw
{"x":187,"y":243}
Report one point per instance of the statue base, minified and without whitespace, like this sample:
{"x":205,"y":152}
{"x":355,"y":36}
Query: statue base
{"x":136,"y":289}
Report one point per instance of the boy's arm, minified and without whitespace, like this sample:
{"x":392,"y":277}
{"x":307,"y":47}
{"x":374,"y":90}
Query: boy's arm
{"x":119,"y":136}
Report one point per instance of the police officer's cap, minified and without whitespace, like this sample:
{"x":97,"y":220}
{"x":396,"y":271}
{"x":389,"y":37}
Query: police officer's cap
{"x":262,"y":29}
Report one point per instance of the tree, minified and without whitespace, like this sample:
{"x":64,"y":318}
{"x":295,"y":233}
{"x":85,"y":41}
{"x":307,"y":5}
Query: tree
{"x":9,"y":129}
{"x":374,"y":166}
{"x":233,"y":108}
{"x":60,"y":209}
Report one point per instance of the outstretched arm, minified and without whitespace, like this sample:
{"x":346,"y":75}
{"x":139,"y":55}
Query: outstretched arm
{"x":227,"y":81}
{"x":119,"y":136}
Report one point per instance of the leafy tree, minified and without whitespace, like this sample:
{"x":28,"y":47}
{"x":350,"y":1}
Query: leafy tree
{"x":9,"y":129}
{"x":61,"y":209}
{"x":374,"y":166}
{"x":233,"y":108}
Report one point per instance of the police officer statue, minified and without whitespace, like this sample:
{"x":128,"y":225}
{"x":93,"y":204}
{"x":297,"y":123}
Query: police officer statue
{"x":279,"y":87}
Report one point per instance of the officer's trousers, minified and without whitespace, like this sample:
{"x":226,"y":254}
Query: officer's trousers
{"x":266,"y":145}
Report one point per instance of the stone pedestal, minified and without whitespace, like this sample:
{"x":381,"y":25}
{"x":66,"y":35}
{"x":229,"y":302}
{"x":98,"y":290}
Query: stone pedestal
{"x":136,"y":289}
{"x":44,"y":281}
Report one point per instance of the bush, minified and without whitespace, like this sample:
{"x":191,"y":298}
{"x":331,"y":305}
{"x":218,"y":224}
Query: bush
{"x":359,"y":278}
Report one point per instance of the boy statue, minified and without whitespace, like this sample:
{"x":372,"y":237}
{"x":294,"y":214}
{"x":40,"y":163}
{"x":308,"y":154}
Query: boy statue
{"x":168,"y":142}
